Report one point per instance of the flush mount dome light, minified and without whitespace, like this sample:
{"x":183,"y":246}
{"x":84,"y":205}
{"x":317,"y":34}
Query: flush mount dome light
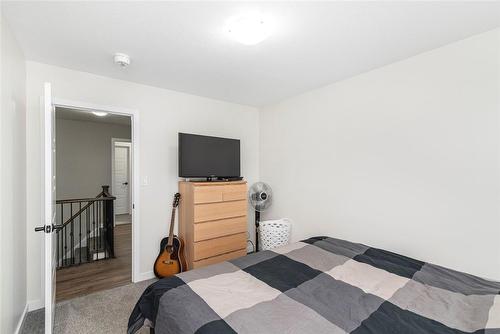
{"x":249,"y":29}
{"x":100,"y":113}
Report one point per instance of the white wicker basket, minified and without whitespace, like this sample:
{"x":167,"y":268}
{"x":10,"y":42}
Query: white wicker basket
{"x":274,"y":233}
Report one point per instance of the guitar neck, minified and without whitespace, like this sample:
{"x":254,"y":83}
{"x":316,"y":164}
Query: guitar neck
{"x":171,"y":232}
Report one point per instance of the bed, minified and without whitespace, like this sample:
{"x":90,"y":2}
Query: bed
{"x":320,"y":285}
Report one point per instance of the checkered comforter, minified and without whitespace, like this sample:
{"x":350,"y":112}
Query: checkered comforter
{"x":320,"y":285}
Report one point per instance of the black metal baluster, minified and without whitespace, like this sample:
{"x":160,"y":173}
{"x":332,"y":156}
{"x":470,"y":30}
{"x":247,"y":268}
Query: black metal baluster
{"x":111,"y":228}
{"x":101,"y":230}
{"x":72,"y":244}
{"x":59,"y":247}
{"x":57,"y":251}
{"x":96,"y":209}
{"x":93,"y":229}
{"x":98,"y":228}
{"x":105,"y":229}
{"x":60,"y":233}
{"x":80,"y":232}
{"x":96,"y":241}
{"x":87,"y":233}
{"x":65,"y":255}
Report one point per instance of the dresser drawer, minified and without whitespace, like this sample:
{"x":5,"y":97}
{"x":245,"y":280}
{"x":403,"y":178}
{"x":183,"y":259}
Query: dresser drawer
{"x":234,"y":192}
{"x":208,"y":194}
{"x":219,"y":228}
{"x":220,"y":210}
{"x":219,"y":258}
{"x":208,"y":248}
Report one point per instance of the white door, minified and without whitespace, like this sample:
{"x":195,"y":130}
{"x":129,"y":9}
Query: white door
{"x":49,"y":218}
{"x":121,"y":188}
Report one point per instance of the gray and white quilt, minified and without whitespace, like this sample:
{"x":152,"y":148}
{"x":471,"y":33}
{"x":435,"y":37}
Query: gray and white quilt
{"x":320,"y":285}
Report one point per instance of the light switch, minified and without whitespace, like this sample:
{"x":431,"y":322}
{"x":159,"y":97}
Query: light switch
{"x":145,"y":181}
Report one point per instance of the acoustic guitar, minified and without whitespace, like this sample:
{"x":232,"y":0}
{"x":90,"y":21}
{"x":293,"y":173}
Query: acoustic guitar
{"x":170,"y":260}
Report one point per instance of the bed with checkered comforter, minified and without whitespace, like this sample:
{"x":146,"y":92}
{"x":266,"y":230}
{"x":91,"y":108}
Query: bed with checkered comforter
{"x":320,"y":285}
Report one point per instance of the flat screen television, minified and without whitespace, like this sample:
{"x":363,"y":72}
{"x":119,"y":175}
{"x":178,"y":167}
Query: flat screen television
{"x":208,"y":157}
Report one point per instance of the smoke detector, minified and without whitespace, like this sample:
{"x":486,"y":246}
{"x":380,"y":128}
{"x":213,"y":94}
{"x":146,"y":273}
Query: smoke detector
{"x":122,"y":59}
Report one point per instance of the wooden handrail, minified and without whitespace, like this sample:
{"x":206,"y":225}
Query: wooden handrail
{"x":78,"y":200}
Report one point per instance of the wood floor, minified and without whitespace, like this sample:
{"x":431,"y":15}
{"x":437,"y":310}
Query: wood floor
{"x":123,"y":219}
{"x":100,"y":275}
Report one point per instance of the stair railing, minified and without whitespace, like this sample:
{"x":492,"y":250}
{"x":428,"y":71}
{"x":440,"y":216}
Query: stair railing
{"x":87,"y":232}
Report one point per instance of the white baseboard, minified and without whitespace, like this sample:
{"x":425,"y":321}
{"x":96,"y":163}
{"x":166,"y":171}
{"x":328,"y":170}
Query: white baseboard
{"x":144,"y":276}
{"x":126,"y":223}
{"x":21,"y":321}
{"x":35,"y":305}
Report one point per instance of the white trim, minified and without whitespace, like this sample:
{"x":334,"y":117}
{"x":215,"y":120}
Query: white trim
{"x":145,"y":276}
{"x":21,"y":321}
{"x":123,"y":142}
{"x":63,"y":103}
{"x":135,"y":196}
{"x":35,"y":304}
{"x":49,"y":206}
{"x":134,"y":115}
{"x":40,"y":303}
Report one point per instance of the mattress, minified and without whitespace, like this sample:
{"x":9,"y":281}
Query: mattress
{"x":320,"y":285}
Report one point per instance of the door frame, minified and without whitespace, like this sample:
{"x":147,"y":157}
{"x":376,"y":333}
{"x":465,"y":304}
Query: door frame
{"x":134,"y":166}
{"x":113,"y":144}
{"x":49,"y":208}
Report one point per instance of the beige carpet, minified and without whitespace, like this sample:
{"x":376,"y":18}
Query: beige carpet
{"x":104,"y":312}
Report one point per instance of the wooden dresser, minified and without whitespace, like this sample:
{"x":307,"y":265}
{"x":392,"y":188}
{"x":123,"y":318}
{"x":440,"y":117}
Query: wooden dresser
{"x":213,"y":221}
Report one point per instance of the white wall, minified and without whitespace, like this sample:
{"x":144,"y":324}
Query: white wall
{"x":83,"y":156}
{"x":12,"y":182}
{"x":405,"y":157}
{"x":163,"y":113}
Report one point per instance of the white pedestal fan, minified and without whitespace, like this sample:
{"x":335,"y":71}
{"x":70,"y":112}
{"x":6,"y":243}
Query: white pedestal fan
{"x":260,"y":196}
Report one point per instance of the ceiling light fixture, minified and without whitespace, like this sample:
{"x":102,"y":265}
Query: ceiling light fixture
{"x":249,"y":29}
{"x":100,"y":113}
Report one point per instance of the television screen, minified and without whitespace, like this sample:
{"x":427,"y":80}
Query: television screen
{"x":204,"y":156}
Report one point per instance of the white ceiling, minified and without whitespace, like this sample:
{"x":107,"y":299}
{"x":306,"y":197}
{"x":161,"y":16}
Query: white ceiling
{"x":79,"y":115}
{"x":183,"y":45}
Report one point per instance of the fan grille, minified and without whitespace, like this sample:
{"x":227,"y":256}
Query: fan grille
{"x":260,"y":196}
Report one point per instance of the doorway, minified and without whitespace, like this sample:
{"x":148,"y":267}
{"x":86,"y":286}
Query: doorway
{"x":94,"y":241}
{"x":121,"y":185}
{"x":102,"y":205}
